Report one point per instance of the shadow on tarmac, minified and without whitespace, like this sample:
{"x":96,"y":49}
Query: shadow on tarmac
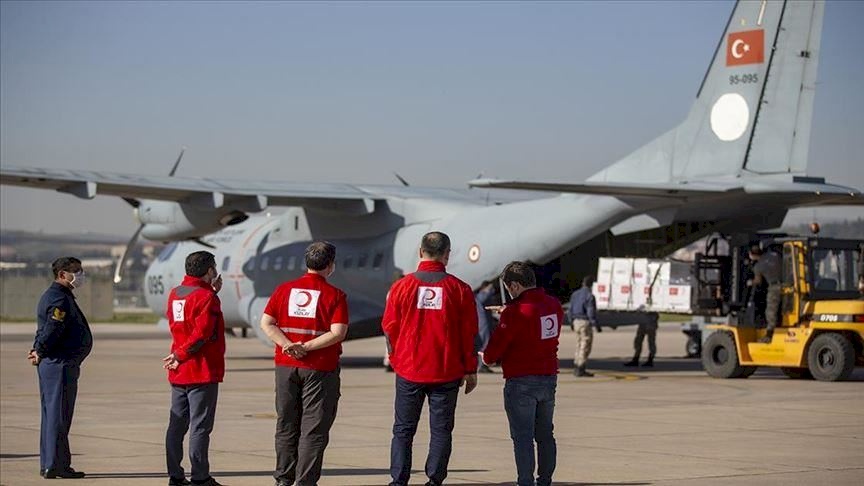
{"x":17,"y":456}
{"x":240,"y":474}
{"x":556,"y":483}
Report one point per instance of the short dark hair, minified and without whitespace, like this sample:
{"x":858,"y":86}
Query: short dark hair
{"x":587,"y":281}
{"x":64,"y":264}
{"x":319,"y":255}
{"x":197,"y":263}
{"x":435,"y":244}
{"x":755,"y":250}
{"x":519,"y":272}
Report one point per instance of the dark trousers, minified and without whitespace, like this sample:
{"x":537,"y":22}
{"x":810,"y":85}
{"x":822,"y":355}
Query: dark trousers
{"x":306,"y":403}
{"x":442,"y":409}
{"x":646,"y":329}
{"x":193,"y":408}
{"x":58,"y":388}
{"x":530,"y":403}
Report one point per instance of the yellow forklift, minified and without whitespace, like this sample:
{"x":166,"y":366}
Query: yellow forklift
{"x":821,"y":327}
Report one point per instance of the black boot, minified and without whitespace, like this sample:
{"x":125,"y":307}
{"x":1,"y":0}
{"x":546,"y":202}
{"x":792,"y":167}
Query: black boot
{"x":649,"y":363}
{"x":580,"y":371}
{"x":768,"y":337}
{"x":633,"y":362}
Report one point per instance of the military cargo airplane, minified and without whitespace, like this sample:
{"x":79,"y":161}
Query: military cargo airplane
{"x":736,"y":163}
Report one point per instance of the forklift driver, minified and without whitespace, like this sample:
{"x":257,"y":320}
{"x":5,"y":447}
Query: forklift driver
{"x":768,"y":270}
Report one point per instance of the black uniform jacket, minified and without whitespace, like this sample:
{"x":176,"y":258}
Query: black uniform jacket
{"x":63,"y":332}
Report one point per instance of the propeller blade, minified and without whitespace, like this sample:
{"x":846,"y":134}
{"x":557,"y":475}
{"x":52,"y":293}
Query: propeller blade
{"x":177,"y":163}
{"x":121,"y":265}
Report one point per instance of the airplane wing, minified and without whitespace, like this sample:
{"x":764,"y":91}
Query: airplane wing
{"x":817,"y":188}
{"x":332,"y":196}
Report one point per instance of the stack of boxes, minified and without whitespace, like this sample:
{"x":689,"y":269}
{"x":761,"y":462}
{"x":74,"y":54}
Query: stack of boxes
{"x":641,"y":284}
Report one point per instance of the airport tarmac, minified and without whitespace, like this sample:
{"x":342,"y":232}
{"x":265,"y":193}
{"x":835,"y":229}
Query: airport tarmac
{"x":669,"y":425}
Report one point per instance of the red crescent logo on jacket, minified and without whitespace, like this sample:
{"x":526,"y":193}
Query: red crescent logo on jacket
{"x":429,"y":298}
{"x":306,"y":296}
{"x":548,"y":326}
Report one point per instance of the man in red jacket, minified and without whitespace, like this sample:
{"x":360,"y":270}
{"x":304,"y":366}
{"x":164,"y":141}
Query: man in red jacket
{"x":526,"y":344}
{"x":307,"y":319}
{"x":195,"y":367}
{"x":430,"y":322}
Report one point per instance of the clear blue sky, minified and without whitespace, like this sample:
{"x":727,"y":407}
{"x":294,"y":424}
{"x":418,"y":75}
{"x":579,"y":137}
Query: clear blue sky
{"x":351,"y":91}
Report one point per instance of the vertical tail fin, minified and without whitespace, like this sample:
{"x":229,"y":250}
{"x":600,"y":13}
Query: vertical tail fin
{"x":753,"y":111}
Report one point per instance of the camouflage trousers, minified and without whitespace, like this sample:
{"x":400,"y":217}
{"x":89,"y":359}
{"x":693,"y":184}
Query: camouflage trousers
{"x":584,"y":338}
{"x":772,"y":307}
{"x":650,"y":330}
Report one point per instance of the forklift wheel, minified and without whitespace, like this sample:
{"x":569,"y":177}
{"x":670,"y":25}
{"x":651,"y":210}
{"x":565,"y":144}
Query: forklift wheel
{"x":831,"y":357}
{"x":720,"y":357}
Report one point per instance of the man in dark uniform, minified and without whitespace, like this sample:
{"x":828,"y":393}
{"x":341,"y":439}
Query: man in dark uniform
{"x":767,"y":269}
{"x":63,"y":340}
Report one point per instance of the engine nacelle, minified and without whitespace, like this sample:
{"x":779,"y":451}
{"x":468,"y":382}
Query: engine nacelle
{"x":171,"y":221}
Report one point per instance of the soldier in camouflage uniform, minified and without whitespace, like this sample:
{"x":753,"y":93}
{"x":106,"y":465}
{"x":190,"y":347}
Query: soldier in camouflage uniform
{"x":768,"y":270}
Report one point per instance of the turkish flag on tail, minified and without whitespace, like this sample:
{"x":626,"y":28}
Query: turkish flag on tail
{"x":745,"y":48}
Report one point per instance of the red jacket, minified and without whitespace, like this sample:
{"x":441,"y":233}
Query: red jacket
{"x":526,"y":340}
{"x":198,"y":332}
{"x":304,"y":309}
{"x":430,"y":321}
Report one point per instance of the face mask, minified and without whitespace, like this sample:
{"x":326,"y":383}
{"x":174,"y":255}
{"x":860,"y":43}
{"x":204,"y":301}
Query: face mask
{"x":78,"y":279}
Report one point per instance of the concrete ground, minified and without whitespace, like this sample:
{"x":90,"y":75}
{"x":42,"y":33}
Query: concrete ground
{"x":670,"y":425}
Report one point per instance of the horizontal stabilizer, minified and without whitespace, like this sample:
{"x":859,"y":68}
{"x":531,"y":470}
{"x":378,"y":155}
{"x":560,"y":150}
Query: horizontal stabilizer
{"x":689,"y":190}
{"x":673,"y":190}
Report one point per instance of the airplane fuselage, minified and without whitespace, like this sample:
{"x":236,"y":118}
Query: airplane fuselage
{"x":374,"y":249}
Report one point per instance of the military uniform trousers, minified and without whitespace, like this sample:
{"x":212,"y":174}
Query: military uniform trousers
{"x":772,"y":307}
{"x":650,"y":330}
{"x":58,"y":388}
{"x":584,"y":339}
